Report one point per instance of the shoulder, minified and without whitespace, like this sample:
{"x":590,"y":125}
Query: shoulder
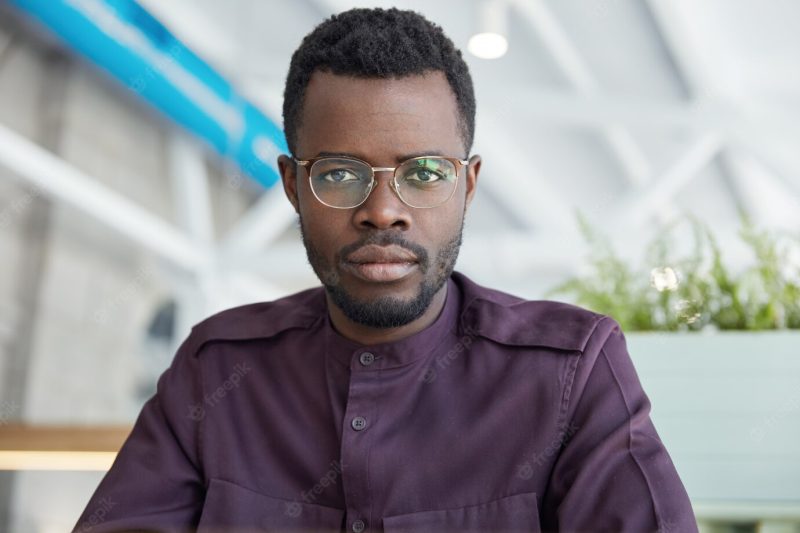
{"x":259,"y":320}
{"x":512,"y":320}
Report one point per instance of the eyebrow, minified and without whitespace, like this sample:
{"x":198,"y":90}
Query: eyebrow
{"x":399,"y":158}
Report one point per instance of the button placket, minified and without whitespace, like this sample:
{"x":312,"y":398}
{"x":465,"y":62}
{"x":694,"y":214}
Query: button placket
{"x":359,"y":417}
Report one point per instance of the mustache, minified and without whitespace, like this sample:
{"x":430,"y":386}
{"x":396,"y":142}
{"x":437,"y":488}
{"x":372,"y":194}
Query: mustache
{"x":385,"y":239}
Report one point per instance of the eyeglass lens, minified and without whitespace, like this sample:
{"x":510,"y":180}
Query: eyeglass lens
{"x":421,"y":182}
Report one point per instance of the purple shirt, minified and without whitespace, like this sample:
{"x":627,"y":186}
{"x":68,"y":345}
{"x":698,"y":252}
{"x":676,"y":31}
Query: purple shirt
{"x":503,"y":415}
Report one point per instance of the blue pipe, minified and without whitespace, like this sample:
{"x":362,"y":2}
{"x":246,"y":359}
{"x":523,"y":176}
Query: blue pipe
{"x":124,"y":39}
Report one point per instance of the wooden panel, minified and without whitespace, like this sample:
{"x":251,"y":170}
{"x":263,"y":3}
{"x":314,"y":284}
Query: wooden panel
{"x":62,"y":438}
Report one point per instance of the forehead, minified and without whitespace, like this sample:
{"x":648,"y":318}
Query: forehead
{"x":378,"y":117}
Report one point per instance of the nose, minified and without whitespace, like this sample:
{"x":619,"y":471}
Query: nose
{"x":382,"y":209}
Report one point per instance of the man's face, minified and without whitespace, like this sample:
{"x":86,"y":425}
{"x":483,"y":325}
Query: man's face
{"x":383,"y":122}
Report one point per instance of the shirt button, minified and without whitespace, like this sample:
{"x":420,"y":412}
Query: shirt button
{"x":358,"y":526}
{"x":367,"y":358}
{"x":359,"y":423}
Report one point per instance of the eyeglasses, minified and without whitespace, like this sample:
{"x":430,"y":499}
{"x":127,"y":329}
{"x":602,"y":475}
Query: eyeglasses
{"x":346,"y":182}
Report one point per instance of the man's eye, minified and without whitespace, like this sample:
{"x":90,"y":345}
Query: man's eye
{"x":424,"y":175}
{"x":339,"y":175}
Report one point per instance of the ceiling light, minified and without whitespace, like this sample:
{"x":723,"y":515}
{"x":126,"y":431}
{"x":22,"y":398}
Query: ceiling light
{"x":488,"y":45}
{"x":490,"y":42}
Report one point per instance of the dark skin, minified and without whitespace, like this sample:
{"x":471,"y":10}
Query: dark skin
{"x":382,"y":121}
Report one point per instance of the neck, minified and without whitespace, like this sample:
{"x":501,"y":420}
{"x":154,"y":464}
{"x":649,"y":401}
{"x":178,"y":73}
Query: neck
{"x":367,"y":335}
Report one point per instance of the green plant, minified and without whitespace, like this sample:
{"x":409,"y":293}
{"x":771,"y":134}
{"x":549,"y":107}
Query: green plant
{"x":696,"y":291}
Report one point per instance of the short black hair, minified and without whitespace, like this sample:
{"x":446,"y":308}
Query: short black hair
{"x":377,"y":43}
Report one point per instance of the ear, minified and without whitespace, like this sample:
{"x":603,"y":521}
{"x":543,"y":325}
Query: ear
{"x":288,"y":170}
{"x":473,"y":170}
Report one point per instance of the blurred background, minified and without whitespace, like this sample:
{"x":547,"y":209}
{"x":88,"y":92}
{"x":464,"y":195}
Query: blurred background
{"x":640,"y":159}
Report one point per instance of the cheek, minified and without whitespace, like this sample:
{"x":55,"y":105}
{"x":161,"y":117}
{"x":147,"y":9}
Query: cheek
{"x":324,"y":227}
{"x":441,"y":226}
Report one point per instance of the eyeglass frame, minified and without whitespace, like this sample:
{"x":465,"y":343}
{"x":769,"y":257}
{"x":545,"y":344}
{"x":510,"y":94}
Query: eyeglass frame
{"x":308,"y":164}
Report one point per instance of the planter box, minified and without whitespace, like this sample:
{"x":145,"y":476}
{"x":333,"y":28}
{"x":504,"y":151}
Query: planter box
{"x":727,"y":406}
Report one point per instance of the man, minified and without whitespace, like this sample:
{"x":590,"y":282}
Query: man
{"x":400,"y":396}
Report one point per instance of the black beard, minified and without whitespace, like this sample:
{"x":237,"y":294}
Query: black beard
{"x":386,"y":311}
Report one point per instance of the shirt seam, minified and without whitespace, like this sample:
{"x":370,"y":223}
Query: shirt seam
{"x":201,"y":423}
{"x":656,"y":509}
{"x":270,"y":496}
{"x":561,"y":423}
{"x":567,"y":394}
{"x":458,"y":508}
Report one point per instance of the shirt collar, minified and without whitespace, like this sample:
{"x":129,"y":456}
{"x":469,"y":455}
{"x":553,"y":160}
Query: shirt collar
{"x":397,"y":353}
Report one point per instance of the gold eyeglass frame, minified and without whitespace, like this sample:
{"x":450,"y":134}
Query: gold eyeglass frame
{"x":308,"y":164}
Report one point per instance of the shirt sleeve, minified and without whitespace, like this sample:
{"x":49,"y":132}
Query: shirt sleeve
{"x":613,"y":472}
{"x":155,"y":482}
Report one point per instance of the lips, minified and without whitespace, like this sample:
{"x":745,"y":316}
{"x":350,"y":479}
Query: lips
{"x":381,"y":263}
{"x":372,"y":253}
